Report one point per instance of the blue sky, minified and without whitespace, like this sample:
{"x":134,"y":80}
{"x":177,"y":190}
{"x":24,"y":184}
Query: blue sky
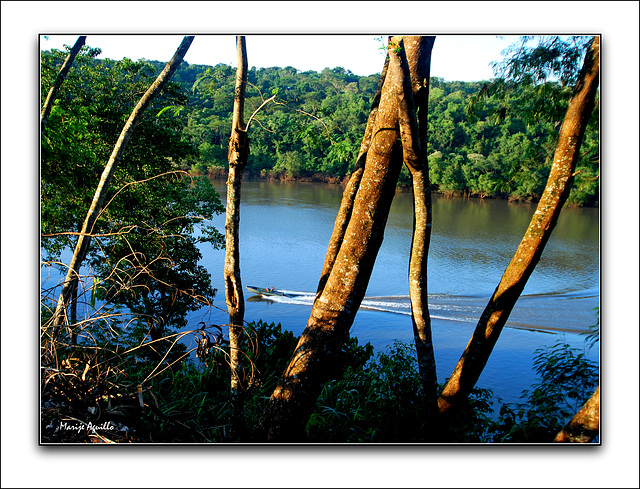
{"x":455,"y":57}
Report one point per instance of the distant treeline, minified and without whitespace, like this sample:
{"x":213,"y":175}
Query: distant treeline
{"x":487,"y":146}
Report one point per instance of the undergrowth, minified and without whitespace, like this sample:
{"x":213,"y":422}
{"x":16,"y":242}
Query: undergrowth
{"x":124,"y":388}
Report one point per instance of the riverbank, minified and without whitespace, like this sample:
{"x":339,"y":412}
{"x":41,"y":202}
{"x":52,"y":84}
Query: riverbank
{"x":220,"y":174}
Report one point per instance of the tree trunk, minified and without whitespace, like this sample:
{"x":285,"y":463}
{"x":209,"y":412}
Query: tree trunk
{"x":585,"y":425}
{"x":238,"y":155}
{"x":53,"y":92}
{"x":349,"y":195}
{"x":414,"y":144}
{"x":84,"y":238}
{"x":495,"y":315}
{"x":339,"y":300}
{"x":44,"y":118}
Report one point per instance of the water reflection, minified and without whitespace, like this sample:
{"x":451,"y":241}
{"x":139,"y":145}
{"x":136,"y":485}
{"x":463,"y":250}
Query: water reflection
{"x":285,"y":229}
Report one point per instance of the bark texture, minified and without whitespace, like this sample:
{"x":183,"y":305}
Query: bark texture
{"x":496,"y":313}
{"x":318,"y":351}
{"x":84,"y":238}
{"x":53,"y":91}
{"x":238,"y":155}
{"x":413,"y":129}
{"x":585,"y":425}
{"x":349,"y":194}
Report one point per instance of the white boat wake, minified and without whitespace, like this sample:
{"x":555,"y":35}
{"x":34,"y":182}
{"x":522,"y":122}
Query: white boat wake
{"x":532,"y":311}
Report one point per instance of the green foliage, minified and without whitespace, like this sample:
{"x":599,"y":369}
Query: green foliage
{"x":534,"y":85}
{"x":372,"y":399}
{"x":535,"y":59}
{"x":269,"y":352}
{"x":380,"y":401}
{"x":145,"y":252}
{"x":376,"y":401}
{"x":566,"y":380}
{"x":117,"y":376}
{"x":316,"y":126}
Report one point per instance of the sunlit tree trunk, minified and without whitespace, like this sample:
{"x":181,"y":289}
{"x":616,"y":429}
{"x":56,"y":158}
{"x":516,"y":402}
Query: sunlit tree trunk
{"x":62,"y":74}
{"x":585,"y":425}
{"x":413,"y":131}
{"x":349,"y":194}
{"x":238,"y":155}
{"x":339,"y":300}
{"x":84,"y":237}
{"x":495,"y":315}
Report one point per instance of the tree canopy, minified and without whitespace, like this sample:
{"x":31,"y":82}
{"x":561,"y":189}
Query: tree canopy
{"x":145,"y":248}
{"x":497,"y":145}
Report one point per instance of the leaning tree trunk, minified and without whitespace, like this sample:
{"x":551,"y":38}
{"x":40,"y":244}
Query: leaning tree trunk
{"x":44,"y":118}
{"x":349,"y":194}
{"x":317,"y":354}
{"x":84,"y":237}
{"x":62,"y":74}
{"x":238,"y":155}
{"x":585,"y":425}
{"x":414,"y":143}
{"x":495,"y":315}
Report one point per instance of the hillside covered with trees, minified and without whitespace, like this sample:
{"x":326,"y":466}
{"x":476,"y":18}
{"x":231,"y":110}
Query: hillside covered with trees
{"x":483,"y":141}
{"x":497,"y":146}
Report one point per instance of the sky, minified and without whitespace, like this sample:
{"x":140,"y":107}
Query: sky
{"x":454,"y":57}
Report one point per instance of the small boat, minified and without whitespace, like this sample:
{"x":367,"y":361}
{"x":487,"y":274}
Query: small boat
{"x":265,"y":292}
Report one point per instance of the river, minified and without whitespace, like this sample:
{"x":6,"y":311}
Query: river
{"x":285,"y":229}
{"x":284,"y":233}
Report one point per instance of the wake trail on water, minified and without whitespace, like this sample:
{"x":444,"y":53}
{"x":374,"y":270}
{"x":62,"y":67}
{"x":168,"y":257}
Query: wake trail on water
{"x":533,"y":311}
{"x":392,"y":304}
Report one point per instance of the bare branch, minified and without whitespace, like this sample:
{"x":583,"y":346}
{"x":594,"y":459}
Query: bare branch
{"x":258,"y":110}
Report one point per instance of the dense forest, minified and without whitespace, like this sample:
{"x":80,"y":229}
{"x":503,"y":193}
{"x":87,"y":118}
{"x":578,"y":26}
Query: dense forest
{"x":500,"y":145}
{"x":484,"y":140}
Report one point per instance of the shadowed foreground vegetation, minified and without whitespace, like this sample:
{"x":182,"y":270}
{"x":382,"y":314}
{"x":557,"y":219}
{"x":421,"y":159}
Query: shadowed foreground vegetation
{"x":376,"y":398}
